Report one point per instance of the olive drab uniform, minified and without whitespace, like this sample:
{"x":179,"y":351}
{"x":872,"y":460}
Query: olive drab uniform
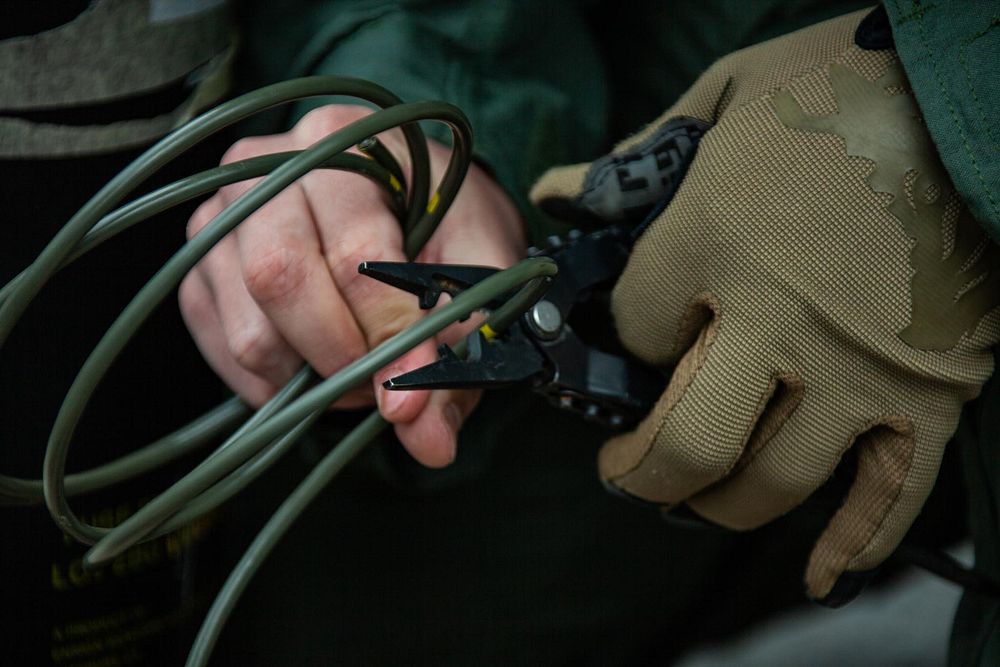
{"x":85,"y":86}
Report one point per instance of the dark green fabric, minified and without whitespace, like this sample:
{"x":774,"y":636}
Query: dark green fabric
{"x":543,"y":83}
{"x":950,"y":51}
{"x":528,"y":75}
{"x":655,"y":50}
{"x":976,"y":633}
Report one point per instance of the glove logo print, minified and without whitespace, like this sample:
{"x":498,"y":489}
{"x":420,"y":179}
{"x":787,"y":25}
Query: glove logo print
{"x":628,"y":186}
{"x":956,"y":268}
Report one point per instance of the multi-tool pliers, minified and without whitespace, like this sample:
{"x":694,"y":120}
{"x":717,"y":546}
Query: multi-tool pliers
{"x":545,"y":349}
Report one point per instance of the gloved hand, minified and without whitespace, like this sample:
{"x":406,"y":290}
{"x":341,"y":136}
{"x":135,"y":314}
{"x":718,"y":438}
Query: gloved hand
{"x":815,"y":281}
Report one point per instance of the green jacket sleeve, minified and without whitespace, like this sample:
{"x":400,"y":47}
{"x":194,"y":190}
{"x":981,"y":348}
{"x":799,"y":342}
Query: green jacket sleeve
{"x":527,"y":74}
{"x":950,"y":52}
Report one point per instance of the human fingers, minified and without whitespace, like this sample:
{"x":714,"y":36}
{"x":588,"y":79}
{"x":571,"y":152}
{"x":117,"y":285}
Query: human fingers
{"x":432,"y":436}
{"x":202,"y":319}
{"x":247,"y":338}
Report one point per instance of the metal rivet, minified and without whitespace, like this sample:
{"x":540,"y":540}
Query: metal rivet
{"x":546,"y":318}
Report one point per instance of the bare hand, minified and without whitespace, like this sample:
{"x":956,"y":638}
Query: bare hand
{"x":283,"y":288}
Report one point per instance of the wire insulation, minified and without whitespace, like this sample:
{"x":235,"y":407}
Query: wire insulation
{"x":272,"y":430}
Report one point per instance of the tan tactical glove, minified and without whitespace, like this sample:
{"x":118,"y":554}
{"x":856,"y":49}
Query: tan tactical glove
{"x":815,"y":280}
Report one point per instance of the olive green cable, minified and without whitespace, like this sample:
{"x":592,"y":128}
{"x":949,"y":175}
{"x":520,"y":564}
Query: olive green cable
{"x":261,"y":439}
{"x":384,"y":157}
{"x":180,"y":140}
{"x":210,"y":180}
{"x":18,"y":294}
{"x":223,"y":418}
{"x":15,"y":490}
{"x":144,"y":521}
{"x":532,"y":274}
{"x":260,"y":462}
{"x":104,"y":354}
{"x":313,"y":401}
{"x":279,"y":523}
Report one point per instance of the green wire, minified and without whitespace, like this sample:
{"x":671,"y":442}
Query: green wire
{"x":148,"y":517}
{"x":18,"y":294}
{"x":275,"y":427}
{"x":166,"y":279}
{"x":383,"y":156}
{"x":14,"y":490}
{"x":276,"y":527}
{"x":210,"y":180}
{"x":535,"y":272}
{"x":176,"y":143}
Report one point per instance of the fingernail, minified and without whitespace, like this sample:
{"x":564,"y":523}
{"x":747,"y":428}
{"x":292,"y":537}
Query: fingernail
{"x":389,"y":402}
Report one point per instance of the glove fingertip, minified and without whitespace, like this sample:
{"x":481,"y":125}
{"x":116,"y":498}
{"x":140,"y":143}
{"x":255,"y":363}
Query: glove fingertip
{"x":559,"y":189}
{"x":875,"y":515}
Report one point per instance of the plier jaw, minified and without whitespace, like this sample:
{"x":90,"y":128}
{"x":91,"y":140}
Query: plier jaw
{"x":541,"y":350}
{"x":428,"y":281}
{"x":487,"y":365}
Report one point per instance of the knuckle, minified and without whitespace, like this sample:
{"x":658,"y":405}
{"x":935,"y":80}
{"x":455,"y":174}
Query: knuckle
{"x":275,"y":275}
{"x":344,"y":262}
{"x":381,"y":313}
{"x":356,"y":245}
{"x":254,"y":348}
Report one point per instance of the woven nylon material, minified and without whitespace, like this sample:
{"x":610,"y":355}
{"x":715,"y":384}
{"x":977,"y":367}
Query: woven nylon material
{"x":815,"y":94}
{"x":621,"y":455}
{"x":559,"y":183}
{"x":949,"y":224}
{"x":698,"y":440}
{"x":780,"y":476}
{"x":812,"y":226}
{"x":749,"y":74}
{"x":870,"y":64}
{"x":812,"y":276}
{"x":803,"y":453}
{"x":883,"y":463}
{"x":783,"y":400}
{"x":741,"y":77}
